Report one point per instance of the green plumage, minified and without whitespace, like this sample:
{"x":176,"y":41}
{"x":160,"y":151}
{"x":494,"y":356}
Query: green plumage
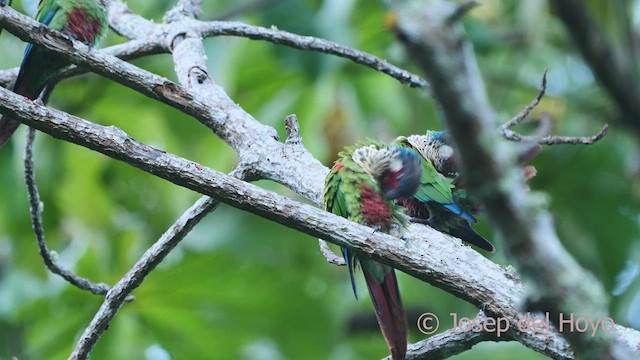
{"x":353,"y":190}
{"x":83,"y":20}
{"x":434,"y":186}
{"x":439,"y":202}
{"x":343,"y":188}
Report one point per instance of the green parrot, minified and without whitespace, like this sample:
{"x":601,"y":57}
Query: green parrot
{"x":440,"y":202}
{"x":361,"y":187}
{"x":83,"y":20}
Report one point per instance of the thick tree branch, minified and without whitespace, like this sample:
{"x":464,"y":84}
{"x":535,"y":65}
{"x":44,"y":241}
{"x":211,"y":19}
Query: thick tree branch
{"x":616,"y":74}
{"x":425,"y":254}
{"x":254,"y":142}
{"x":558,"y":284}
{"x":449,"y":343}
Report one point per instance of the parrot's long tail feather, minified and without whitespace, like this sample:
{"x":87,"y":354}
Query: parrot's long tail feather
{"x":350,"y":262}
{"x":468,"y":235}
{"x":7,"y":127}
{"x":389,"y":312}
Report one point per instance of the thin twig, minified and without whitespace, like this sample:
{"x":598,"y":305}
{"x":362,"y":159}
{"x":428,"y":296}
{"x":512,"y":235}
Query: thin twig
{"x":331,"y":257}
{"x":542,"y":137}
{"x":293,"y":130}
{"x":575,"y":140}
{"x":35,"y":211}
{"x":125,"y":25}
{"x":134,"y":277}
{"x":525,"y":112}
{"x":276,"y":36}
{"x":461,"y":11}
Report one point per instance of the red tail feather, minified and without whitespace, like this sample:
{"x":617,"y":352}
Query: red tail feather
{"x":389,"y":312}
{"x":7,"y":127}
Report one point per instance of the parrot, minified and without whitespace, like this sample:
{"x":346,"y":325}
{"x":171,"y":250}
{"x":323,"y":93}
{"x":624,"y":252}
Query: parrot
{"x":361,"y":187}
{"x":439,"y":202}
{"x":83,"y":20}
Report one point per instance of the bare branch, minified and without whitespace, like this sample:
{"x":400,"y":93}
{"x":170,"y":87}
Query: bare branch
{"x":543,"y":136}
{"x":134,"y":27}
{"x":575,"y":140}
{"x":525,"y":112}
{"x":35,"y":211}
{"x":134,"y":277}
{"x":558,"y":284}
{"x":461,"y":11}
{"x":424,"y":253}
{"x":331,"y":257}
{"x":293,"y":130}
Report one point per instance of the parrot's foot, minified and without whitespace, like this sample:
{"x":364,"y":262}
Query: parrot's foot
{"x":377,"y":228}
{"x":69,"y":35}
{"x":406,"y":240}
{"x":419,"y":221}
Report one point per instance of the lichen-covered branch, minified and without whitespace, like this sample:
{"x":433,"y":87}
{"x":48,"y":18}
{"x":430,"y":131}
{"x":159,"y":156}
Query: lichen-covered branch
{"x":425,"y":253}
{"x":558,"y":284}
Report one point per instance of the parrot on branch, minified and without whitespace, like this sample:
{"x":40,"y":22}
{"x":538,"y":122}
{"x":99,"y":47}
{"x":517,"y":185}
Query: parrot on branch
{"x":82,"y":20}
{"x":440,"y":202}
{"x":361,"y":187}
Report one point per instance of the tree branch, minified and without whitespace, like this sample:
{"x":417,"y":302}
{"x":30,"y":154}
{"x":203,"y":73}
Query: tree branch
{"x":543,"y":138}
{"x":558,"y":284}
{"x":425,"y":253}
{"x":254,"y":142}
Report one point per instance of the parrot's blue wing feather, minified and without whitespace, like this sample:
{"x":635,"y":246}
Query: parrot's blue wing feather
{"x":456,"y":209}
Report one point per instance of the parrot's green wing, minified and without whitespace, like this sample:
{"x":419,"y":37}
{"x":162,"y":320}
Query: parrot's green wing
{"x":46,"y":10}
{"x":339,"y":200}
{"x":334,"y":198}
{"x":433,"y":185}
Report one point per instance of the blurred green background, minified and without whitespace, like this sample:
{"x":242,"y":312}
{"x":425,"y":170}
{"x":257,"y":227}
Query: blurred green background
{"x":240,"y":287}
